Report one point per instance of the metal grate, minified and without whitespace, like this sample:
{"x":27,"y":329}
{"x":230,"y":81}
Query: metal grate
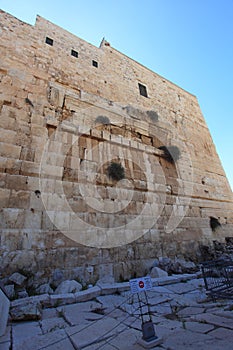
{"x":218,"y":278}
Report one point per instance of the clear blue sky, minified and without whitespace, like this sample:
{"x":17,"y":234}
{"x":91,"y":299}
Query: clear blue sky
{"x":189,"y":42}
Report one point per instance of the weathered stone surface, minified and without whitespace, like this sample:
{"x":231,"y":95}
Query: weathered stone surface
{"x":26,"y":311}
{"x":156,"y":272}
{"x":10,"y":290}
{"x":52,"y":324}
{"x":22,"y":293}
{"x":198,"y":327}
{"x":82,"y":312}
{"x":214,"y":320}
{"x":55,"y":341}
{"x":61,"y":299}
{"x":17,"y":278}
{"x":113,"y":321}
{"x":50,"y":104}
{"x":68,"y":287}
{"x":24,"y":331}
{"x":109,"y":327}
{"x":113,"y":287}
{"x":88,"y":294}
{"x":4,"y":312}
{"x":44,"y":289}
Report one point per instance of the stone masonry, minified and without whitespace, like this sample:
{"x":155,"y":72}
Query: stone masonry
{"x":68,"y":110}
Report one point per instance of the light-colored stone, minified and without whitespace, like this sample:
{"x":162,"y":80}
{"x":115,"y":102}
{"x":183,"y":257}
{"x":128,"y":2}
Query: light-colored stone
{"x":81,"y":338}
{"x":26,"y":311}
{"x":198,"y":327}
{"x":52,"y":324}
{"x":17,"y":278}
{"x":56,"y":300}
{"x":4,"y":312}
{"x":88,"y":294}
{"x":44,"y":289}
{"x":10,"y":290}
{"x":111,"y":288}
{"x":56,"y":340}
{"x":156,"y":272}
{"x":68,"y":287}
{"x":35,"y":99}
{"x":82,"y":313}
{"x":214,"y":320}
{"x":22,"y":331}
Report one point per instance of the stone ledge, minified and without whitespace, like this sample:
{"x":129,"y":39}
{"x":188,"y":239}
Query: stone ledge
{"x":107,"y":288}
{"x":86,"y":295}
{"x":54,"y":300}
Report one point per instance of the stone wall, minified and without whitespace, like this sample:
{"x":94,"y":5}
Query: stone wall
{"x":64,"y":119}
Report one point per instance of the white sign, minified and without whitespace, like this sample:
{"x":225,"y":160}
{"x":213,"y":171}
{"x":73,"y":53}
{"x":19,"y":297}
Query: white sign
{"x":142,"y":284}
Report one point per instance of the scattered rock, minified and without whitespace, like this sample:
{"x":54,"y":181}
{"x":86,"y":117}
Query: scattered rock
{"x":182,"y":266}
{"x":28,"y":311}
{"x":69,"y":286}
{"x":10,"y":291}
{"x":22,"y":293}
{"x":57,"y":277}
{"x":44,"y":289}
{"x":17,"y":278}
{"x":165,"y":264}
{"x":177,"y":266}
{"x":156,"y":272}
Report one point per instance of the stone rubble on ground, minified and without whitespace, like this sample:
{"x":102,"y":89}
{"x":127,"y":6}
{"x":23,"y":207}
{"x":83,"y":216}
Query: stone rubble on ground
{"x":17,"y":278}
{"x":68,"y":287}
{"x":157,"y":272}
{"x":44,"y":289}
{"x":182,"y":315}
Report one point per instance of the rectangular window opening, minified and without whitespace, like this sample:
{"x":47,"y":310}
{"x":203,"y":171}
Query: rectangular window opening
{"x":74,"y":53}
{"x":142,"y":90}
{"x":94,"y":63}
{"x":49,"y":41}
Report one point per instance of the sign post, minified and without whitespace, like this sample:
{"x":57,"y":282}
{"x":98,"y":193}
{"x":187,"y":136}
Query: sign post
{"x":138,"y":286}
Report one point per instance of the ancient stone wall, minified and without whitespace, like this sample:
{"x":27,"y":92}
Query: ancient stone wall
{"x":68,"y":111}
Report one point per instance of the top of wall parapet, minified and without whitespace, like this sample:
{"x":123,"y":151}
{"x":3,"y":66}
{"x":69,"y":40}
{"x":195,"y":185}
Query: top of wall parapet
{"x":42,"y":22}
{"x":45,"y":26}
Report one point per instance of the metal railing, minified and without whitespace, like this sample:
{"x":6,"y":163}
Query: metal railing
{"x":218,"y":278}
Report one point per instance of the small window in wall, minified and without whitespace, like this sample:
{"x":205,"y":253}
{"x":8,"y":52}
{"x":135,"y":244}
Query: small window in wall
{"x":74,"y":53}
{"x":94,"y":63}
{"x":142,"y":90}
{"x":49,"y":41}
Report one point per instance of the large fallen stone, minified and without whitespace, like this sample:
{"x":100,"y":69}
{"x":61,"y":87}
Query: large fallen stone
{"x":17,"y":278}
{"x":156,"y":272}
{"x":88,"y":294}
{"x":4,"y":312}
{"x":69,"y":286}
{"x":28,"y":311}
{"x":10,"y":290}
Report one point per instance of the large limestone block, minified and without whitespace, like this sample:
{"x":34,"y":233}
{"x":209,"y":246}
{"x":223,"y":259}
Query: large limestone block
{"x":4,"y":312}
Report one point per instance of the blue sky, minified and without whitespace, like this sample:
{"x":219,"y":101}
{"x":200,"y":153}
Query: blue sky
{"x":189,"y":42}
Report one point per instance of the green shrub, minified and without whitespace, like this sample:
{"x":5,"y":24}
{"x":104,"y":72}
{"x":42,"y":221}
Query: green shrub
{"x":116,"y":171}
